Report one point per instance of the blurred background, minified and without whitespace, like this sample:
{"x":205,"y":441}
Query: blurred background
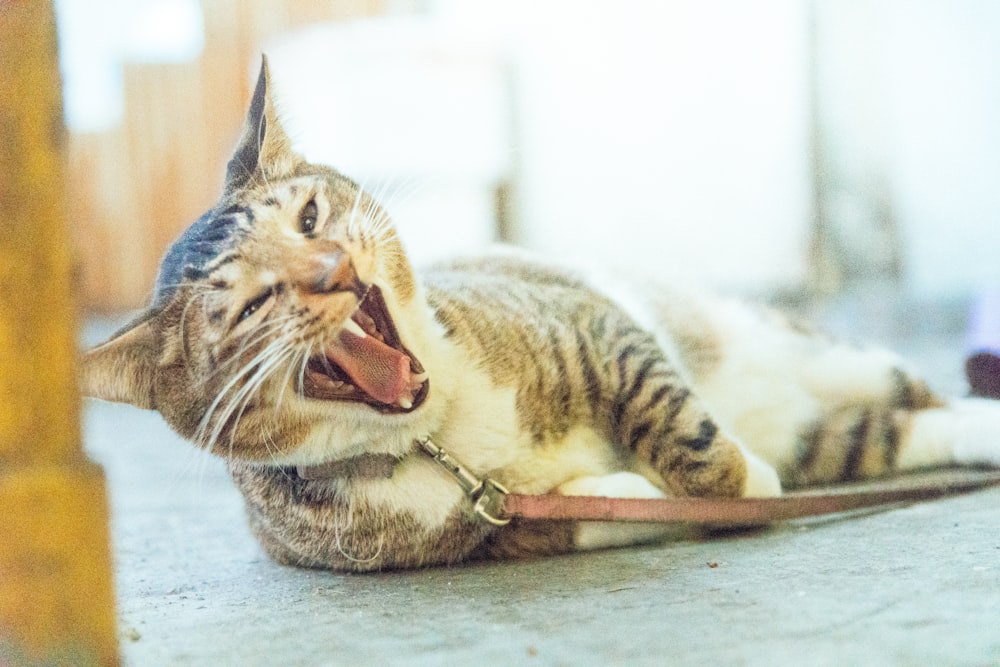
{"x":801,"y":149}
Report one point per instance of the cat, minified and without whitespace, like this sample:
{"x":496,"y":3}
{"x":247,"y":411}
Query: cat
{"x":289,"y":334}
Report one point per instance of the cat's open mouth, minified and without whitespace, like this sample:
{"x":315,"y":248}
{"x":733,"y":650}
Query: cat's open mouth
{"x":367,"y":363}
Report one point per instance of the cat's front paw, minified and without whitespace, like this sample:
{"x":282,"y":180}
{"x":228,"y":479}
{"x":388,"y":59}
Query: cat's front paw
{"x":615,"y":485}
{"x":603,"y":534}
{"x":762,"y":479}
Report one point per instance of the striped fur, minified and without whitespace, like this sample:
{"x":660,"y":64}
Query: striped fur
{"x":547,"y":379}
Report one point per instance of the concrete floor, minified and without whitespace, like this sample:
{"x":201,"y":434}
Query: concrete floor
{"x":916,"y":585}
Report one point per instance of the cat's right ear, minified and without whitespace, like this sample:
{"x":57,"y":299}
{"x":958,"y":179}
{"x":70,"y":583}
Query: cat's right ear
{"x":123,"y":369}
{"x":264,"y":150}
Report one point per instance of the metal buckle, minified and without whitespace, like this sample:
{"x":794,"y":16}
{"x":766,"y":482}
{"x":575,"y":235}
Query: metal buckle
{"x":486,"y":495}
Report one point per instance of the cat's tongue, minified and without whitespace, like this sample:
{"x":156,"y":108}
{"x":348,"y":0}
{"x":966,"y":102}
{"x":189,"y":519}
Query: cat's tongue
{"x":381,"y":371}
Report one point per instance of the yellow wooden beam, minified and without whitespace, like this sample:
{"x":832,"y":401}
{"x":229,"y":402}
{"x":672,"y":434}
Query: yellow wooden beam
{"x":56,"y":599}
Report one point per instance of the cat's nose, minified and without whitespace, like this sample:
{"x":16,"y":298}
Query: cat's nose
{"x":329,"y":270}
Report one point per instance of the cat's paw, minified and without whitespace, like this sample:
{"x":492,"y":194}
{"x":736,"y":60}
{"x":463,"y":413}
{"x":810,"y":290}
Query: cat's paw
{"x":590,"y":535}
{"x":762,"y":479}
{"x":615,"y":485}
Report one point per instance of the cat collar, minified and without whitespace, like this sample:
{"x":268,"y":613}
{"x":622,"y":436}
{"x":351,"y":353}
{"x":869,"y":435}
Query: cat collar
{"x":486,"y":494}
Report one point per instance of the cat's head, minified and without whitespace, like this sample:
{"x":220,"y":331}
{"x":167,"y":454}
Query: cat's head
{"x":282,"y":306}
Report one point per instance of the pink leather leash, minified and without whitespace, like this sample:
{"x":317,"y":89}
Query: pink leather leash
{"x":750,"y":511}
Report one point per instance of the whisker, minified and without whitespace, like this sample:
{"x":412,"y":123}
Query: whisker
{"x":352,"y":225}
{"x":402,"y":193}
{"x":288,"y":378}
{"x":305,"y":364}
{"x":268,"y":350}
{"x":264,"y":330}
{"x":354,"y":559}
{"x":378,"y":223}
{"x":238,"y":404}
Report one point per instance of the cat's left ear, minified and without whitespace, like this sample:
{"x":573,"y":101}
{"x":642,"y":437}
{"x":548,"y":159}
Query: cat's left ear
{"x":124,"y":368}
{"x":264,"y":150}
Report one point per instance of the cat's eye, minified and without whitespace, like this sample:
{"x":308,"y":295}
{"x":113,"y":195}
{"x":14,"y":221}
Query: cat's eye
{"x":254,"y":305}
{"x":308,"y":217}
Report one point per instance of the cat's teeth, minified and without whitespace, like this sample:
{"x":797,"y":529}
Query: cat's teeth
{"x":418,"y":378}
{"x":405,"y":403}
{"x":337,"y":385}
{"x":353,"y":327}
{"x":364,"y":319}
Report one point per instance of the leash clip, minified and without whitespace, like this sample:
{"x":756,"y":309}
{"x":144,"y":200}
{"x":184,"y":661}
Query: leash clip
{"x":486,"y":494}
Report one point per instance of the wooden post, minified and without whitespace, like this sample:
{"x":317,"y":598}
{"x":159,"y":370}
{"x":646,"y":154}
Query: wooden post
{"x":56,"y":599}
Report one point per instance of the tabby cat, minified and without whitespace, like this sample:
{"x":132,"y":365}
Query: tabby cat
{"x":289,"y":334}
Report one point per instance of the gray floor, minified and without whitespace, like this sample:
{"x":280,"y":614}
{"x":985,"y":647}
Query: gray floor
{"x":917,"y":585}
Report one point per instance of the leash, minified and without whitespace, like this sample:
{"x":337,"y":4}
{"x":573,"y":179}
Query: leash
{"x":750,"y":511}
{"x":494,"y":504}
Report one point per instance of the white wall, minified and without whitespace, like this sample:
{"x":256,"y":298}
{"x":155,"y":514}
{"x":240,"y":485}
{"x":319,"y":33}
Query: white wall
{"x":672,"y":137}
{"x":668,"y":138}
{"x":910,"y":95}
{"x":415,"y":110}
{"x":944,"y":130}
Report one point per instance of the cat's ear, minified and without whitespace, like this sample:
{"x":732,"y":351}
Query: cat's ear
{"x":123,"y":369}
{"x":264,"y":150}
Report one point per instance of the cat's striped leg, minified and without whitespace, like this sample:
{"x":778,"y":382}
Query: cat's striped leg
{"x":761,"y":481}
{"x":850,"y":443}
{"x":658,"y":419}
{"x":683,"y":445}
{"x":655,"y":417}
{"x":860,"y":442}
